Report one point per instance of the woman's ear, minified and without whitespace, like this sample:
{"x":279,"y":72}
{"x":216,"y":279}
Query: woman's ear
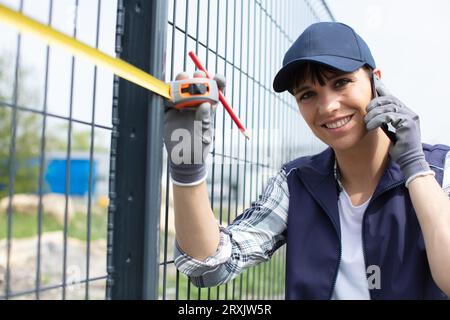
{"x":377,"y":73}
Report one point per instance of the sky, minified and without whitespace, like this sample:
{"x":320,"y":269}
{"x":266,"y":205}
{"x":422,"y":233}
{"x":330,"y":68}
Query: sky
{"x":410,"y":41}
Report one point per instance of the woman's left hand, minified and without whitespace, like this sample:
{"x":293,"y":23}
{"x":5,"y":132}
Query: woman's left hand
{"x":407,"y":150}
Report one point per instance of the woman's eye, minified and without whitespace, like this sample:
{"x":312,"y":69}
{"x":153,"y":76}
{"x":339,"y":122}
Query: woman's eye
{"x":306,"y":95}
{"x":342,"y":82}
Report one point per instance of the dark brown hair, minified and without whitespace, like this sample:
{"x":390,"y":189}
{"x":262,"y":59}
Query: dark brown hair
{"x":317,"y":73}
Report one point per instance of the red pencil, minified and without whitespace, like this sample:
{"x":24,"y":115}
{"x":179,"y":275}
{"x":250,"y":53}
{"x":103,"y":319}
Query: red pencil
{"x":222,"y":99}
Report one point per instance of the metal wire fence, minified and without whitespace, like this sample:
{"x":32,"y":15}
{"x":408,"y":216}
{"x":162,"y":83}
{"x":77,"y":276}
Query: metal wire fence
{"x":71,"y":137}
{"x":54,"y":155}
{"x":245,"y":41}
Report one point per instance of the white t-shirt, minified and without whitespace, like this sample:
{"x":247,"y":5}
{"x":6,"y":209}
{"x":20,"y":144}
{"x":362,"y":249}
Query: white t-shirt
{"x":351,"y":281}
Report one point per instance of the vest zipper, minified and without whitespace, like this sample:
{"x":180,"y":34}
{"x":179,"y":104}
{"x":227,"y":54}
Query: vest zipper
{"x":337,"y":269}
{"x":364,"y":225}
{"x":339,"y":260}
{"x":340,"y":250}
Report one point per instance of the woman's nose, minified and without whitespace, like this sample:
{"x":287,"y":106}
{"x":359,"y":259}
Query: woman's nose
{"x":328,"y":103}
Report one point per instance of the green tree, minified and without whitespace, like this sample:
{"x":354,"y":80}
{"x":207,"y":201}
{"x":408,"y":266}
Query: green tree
{"x":27,"y":138}
{"x":81,"y":140}
{"x":28,"y":135}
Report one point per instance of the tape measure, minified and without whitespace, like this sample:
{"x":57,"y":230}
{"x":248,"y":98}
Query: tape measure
{"x":182,"y":93}
{"x":191,"y":92}
{"x":117,"y":66}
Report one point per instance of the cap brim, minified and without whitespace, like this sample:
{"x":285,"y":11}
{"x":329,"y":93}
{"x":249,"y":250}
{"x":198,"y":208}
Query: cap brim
{"x":283,"y":79}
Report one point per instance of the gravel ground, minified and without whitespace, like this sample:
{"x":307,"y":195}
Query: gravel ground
{"x":23,"y":260}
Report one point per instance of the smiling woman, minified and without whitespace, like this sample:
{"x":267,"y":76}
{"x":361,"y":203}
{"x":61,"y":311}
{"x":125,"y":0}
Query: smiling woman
{"x":348,"y":204}
{"x":333,"y":102}
{"x":336,"y":88}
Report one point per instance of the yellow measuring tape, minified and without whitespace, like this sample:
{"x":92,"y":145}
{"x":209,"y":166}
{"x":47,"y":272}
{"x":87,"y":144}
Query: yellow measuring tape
{"x":117,"y":66}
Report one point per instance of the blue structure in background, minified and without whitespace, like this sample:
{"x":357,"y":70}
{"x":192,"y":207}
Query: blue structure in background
{"x":79,"y":176}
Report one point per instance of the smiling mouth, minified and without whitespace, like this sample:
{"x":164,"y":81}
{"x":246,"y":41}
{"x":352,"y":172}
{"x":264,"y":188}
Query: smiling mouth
{"x":338,"y":124}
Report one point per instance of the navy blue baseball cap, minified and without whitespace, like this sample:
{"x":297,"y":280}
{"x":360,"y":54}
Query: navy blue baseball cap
{"x":333,"y":44}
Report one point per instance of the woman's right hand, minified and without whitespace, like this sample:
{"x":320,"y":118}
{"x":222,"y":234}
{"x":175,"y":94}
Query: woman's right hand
{"x":188,"y":135}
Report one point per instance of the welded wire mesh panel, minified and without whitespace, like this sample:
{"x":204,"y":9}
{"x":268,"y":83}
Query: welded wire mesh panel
{"x":245,"y":41}
{"x":55,"y":128}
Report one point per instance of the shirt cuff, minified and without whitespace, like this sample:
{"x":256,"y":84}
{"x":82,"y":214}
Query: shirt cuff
{"x":193,"y":267}
{"x":190,"y":184}
{"x":420,"y":174}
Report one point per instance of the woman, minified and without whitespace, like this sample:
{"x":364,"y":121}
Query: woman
{"x":365,"y":219}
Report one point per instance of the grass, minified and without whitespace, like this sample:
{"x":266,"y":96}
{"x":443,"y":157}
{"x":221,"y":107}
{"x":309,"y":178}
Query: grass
{"x":25,"y":226}
{"x":265,"y":281}
{"x":78,"y":226}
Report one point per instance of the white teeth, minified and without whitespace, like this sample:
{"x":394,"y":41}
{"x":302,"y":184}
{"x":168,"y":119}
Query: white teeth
{"x":338,"y":124}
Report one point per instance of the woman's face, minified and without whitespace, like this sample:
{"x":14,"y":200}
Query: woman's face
{"x":335,"y":112}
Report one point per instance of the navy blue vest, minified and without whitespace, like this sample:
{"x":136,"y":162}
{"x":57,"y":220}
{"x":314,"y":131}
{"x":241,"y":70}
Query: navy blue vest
{"x":391,"y":234}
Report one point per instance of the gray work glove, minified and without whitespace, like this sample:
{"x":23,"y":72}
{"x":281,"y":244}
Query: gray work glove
{"x":187,"y":136}
{"x":407,"y":151}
